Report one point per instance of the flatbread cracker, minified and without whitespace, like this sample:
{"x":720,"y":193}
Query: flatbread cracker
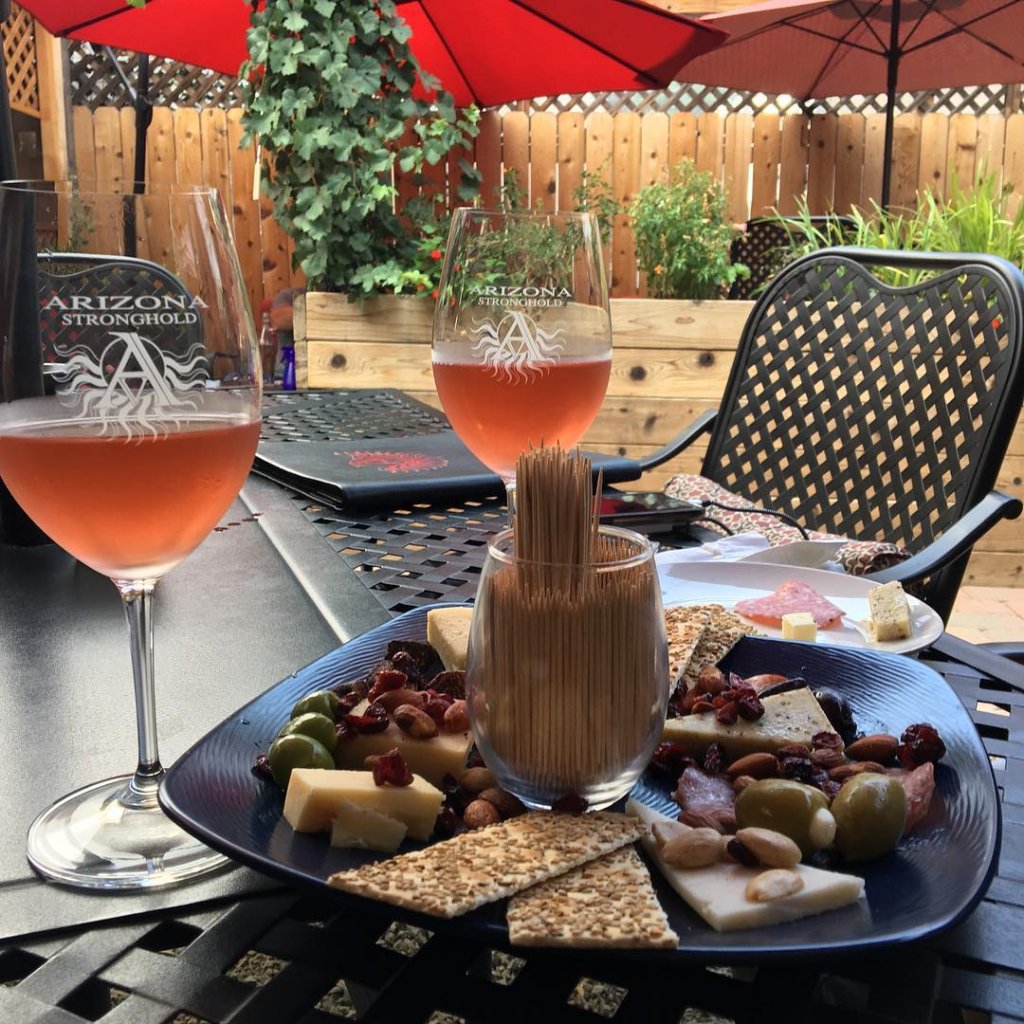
{"x":724,"y":631}
{"x":460,"y":874}
{"x":608,"y":903}
{"x":684,"y":628}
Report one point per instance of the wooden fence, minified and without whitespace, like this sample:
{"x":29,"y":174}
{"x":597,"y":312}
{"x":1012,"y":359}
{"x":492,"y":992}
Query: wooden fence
{"x":765,"y":162}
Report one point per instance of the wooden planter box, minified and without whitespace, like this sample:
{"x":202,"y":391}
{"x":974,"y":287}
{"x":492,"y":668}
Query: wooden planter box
{"x":670,"y":362}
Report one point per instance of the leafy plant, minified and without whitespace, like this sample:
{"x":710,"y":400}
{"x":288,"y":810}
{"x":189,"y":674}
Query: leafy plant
{"x":330,"y":99}
{"x":978,"y":220}
{"x":683,"y":236}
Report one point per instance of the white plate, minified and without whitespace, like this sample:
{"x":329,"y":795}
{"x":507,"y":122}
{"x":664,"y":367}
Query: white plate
{"x":725,"y":583}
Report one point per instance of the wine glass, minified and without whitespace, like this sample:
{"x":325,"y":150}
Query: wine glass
{"x":522,"y":337}
{"x":129,"y":417}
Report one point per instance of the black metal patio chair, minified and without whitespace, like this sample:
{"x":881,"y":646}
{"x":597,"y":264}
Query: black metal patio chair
{"x":874,"y":411}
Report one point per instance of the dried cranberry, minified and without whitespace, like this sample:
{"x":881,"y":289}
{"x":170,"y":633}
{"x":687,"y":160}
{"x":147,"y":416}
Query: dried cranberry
{"x":262,"y":767}
{"x":390,"y":769}
{"x":827,"y":741}
{"x":571,"y":803}
{"x":387,"y":679}
{"x":727,"y":713}
{"x":920,"y":743}
{"x":446,"y":824}
{"x":403,"y":661}
{"x":749,"y":707}
{"x":452,"y":684}
{"x":475,"y":759}
{"x":700,"y":707}
{"x":721,"y":699}
{"x":799,"y":768}
{"x":449,"y":784}
{"x":739,"y":853}
{"x":436,"y":709}
{"x":344,"y":731}
{"x":677,"y":703}
{"x":347,"y":701}
{"x":670,"y":761}
{"x":375,"y":719}
{"x":714,"y":759}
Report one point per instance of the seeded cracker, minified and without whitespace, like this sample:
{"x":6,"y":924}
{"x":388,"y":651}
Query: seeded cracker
{"x":460,"y":874}
{"x":684,"y":627}
{"x":606,"y":904}
{"x":724,"y":631}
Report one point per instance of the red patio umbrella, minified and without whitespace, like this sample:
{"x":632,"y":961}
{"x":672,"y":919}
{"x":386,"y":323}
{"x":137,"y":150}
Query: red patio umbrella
{"x":816,"y":48}
{"x":482,"y":51}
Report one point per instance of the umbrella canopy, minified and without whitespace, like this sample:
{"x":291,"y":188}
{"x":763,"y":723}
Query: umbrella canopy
{"x":482,"y":51}
{"x":816,"y":48}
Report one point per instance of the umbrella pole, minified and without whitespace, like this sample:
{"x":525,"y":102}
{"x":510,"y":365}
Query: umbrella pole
{"x":892,"y":72}
{"x":8,"y":165}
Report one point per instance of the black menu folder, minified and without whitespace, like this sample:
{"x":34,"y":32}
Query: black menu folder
{"x":322,"y":444}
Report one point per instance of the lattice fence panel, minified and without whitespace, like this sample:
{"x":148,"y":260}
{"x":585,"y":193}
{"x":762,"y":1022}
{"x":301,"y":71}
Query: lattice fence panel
{"x":95,"y":83}
{"x":20,"y":56}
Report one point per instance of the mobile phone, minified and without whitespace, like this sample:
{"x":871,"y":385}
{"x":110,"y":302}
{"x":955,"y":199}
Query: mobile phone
{"x":647,"y":511}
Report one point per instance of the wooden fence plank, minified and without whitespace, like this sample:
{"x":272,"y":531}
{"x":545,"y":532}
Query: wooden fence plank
{"x":767,"y":145}
{"x":488,"y":157}
{"x":515,"y":149}
{"x":598,"y":140}
{"x":188,"y":147}
{"x":821,"y":162}
{"x":84,"y":144}
{"x":217,"y":158}
{"x":1013,"y":158}
{"x":244,"y":211}
{"x":654,"y":148}
{"x":906,"y":157}
{"x":571,"y":156}
{"x":126,"y":115}
{"x":739,"y":132}
{"x":543,"y":162}
{"x":710,"y":136}
{"x":793,"y":164}
{"x":963,"y":143}
{"x":934,"y":146}
{"x":107,"y":149}
{"x":625,"y":185}
{"x":682,"y":138}
{"x":989,"y":153}
{"x":849,"y":162}
{"x":874,"y":139}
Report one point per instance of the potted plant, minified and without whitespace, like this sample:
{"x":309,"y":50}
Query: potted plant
{"x":331,"y":100}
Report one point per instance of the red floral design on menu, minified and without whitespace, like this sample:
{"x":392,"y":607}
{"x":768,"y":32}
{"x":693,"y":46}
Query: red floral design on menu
{"x":395,"y":462}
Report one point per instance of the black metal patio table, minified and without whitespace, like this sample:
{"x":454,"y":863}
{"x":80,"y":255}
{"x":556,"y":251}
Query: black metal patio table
{"x":283,"y":581}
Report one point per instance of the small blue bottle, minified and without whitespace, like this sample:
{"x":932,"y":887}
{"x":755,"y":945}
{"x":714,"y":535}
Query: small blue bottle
{"x":287,"y":360}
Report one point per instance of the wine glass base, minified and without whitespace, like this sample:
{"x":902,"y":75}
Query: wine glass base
{"x":110,"y":836}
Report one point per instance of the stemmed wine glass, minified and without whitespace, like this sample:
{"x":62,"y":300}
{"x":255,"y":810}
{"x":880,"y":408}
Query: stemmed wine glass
{"x":522,"y":338}
{"x":129,"y":416}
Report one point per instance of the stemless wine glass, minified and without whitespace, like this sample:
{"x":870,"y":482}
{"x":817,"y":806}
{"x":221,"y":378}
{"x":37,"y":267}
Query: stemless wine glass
{"x":522,"y":338}
{"x":129,"y":416}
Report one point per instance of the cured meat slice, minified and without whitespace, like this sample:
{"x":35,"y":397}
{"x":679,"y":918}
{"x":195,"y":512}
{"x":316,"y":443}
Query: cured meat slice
{"x":705,"y":795}
{"x":792,"y":596}
{"x":919,"y":786}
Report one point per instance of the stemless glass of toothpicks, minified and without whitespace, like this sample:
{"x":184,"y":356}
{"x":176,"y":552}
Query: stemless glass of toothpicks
{"x":568,"y":667}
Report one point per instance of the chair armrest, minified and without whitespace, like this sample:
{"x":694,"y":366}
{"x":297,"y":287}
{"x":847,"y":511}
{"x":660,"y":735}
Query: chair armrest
{"x":703,"y":424}
{"x":956,"y":541}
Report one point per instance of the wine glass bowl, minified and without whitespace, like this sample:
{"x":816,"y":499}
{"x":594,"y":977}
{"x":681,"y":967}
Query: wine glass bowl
{"x":521,"y":344}
{"x":129,"y":417}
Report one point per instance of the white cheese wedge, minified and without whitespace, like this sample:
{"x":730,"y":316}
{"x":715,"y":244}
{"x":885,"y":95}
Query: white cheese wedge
{"x":718,"y":893}
{"x":366,"y":829}
{"x":434,"y":758}
{"x":890,"y":612}
{"x":448,"y":634}
{"x":315,"y":795}
{"x":799,"y":626}
{"x":793,"y":717}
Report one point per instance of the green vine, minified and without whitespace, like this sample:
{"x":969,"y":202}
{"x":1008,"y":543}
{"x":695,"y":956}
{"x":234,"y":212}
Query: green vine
{"x":331,"y":85}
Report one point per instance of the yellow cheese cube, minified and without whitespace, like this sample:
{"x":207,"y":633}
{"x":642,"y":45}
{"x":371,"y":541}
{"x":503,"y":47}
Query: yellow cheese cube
{"x":799,"y":626}
{"x":315,"y":795}
{"x":443,"y":754}
{"x":366,"y":829}
{"x":448,"y":634}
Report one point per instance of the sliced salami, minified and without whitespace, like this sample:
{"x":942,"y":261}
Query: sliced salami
{"x":919,"y":785}
{"x":792,"y":596}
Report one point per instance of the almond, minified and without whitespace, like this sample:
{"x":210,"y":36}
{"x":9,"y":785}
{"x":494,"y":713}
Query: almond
{"x":477,"y":779}
{"x":758,"y":766}
{"x":694,"y":849}
{"x":772,"y":849}
{"x":392,"y":699}
{"x":843,"y":772}
{"x":414,"y":722}
{"x":663,"y":831}
{"x":480,"y":814}
{"x":507,"y":805}
{"x":773,"y":885}
{"x":827,"y":758}
{"x":880,"y":747}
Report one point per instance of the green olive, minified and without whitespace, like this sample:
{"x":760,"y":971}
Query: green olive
{"x":783,"y":805}
{"x":296,"y":751}
{"x":320,"y":727}
{"x":323,"y":702}
{"x":870,"y":812}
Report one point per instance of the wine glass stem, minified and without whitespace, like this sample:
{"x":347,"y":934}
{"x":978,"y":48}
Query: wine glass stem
{"x":137,"y":599}
{"x":510,"y":500}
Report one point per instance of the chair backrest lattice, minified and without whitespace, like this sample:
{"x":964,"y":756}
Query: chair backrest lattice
{"x":871,"y":410}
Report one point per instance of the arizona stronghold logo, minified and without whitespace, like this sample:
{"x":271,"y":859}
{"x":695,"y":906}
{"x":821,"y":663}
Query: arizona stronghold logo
{"x":125,"y":310}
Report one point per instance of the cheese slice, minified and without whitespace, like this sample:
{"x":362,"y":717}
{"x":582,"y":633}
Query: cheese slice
{"x":799,"y":626}
{"x":718,"y":892}
{"x":366,"y":829}
{"x":434,"y":758}
{"x":315,"y":796}
{"x":448,"y":634}
{"x":792,"y":717}
{"x":890,"y":612}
